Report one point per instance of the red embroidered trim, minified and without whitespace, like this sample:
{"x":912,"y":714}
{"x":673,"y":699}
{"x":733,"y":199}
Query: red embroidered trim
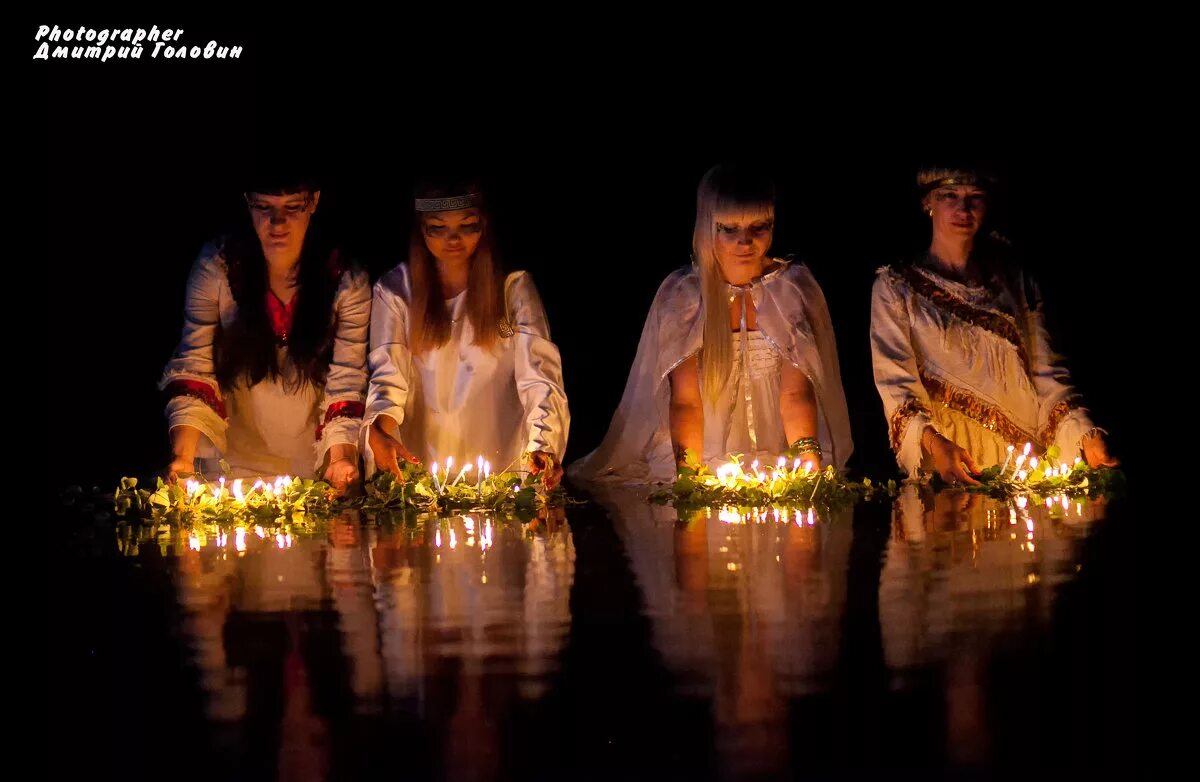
{"x":197,"y":390}
{"x":343,"y":409}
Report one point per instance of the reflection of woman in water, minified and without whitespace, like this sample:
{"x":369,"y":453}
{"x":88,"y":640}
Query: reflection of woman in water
{"x":747,"y":615}
{"x":962,"y":570}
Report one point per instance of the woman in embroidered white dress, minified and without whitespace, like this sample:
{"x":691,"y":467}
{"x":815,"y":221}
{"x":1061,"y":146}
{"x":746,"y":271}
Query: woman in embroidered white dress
{"x":270,"y":373}
{"x":462,"y":366}
{"x":737,"y":354}
{"x":960,"y":349}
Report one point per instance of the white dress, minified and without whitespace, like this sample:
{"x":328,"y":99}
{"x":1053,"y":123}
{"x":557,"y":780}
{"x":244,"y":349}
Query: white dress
{"x":461,"y":400}
{"x":974,"y":361}
{"x":793,"y":326}
{"x":265,"y":429}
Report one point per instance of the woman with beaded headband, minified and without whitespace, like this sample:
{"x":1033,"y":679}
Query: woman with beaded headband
{"x":461,"y":361}
{"x":960,"y":349}
{"x":737,"y":355}
{"x":271,"y":370}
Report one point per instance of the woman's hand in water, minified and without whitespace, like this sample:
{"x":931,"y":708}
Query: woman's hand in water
{"x":952,"y":462}
{"x":544,"y":463}
{"x":1095,"y":451}
{"x":342,"y":472}
{"x":387,"y":449}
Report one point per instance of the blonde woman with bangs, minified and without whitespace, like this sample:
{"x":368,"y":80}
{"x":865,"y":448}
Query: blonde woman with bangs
{"x":737,"y":355}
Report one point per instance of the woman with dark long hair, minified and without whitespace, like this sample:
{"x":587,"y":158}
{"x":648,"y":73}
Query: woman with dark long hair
{"x":270,"y":373}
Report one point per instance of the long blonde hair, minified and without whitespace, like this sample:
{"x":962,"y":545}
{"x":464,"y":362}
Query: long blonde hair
{"x":736,"y":194}
{"x":485,"y":305}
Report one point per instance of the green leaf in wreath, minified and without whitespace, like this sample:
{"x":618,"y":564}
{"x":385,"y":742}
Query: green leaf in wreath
{"x":527,"y":498}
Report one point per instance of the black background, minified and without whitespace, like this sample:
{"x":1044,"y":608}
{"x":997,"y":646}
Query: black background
{"x":593,"y":160}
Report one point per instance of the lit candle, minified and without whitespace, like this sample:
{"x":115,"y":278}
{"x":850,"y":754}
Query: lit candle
{"x":449,"y":465}
{"x":1007,"y":456}
{"x":465,"y":469}
{"x":1028,"y":448}
{"x":237,"y":490}
{"x":478,"y":473}
{"x":436,"y":485}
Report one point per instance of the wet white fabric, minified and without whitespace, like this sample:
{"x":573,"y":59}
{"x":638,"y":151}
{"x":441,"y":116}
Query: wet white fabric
{"x":912,"y":335}
{"x":793,"y":325}
{"x":461,"y":400}
{"x":270,"y":430}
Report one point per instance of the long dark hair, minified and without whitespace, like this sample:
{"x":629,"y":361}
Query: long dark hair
{"x":247,"y":351}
